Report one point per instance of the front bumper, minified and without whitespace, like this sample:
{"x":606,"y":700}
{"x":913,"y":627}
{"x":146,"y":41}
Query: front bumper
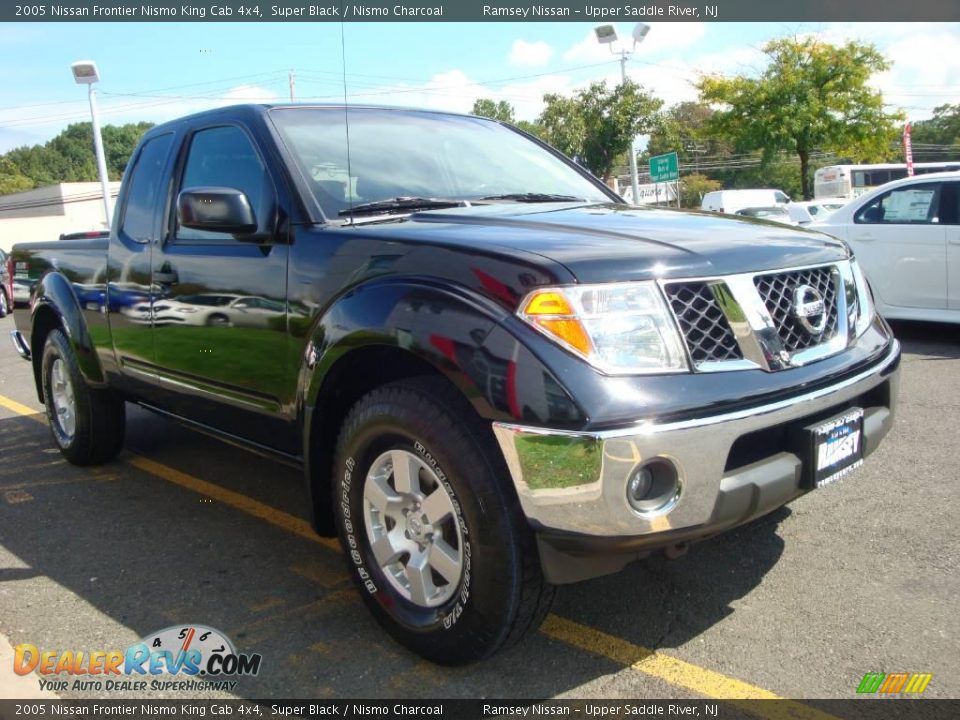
{"x":731,"y":467}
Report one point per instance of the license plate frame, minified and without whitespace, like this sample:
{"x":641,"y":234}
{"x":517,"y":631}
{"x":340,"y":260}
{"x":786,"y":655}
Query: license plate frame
{"x":831,"y":448}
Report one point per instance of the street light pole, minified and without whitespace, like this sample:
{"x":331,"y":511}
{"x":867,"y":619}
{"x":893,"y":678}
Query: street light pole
{"x":607,"y":35}
{"x":85,"y":73}
{"x":101,"y":159}
{"x":634,"y":179}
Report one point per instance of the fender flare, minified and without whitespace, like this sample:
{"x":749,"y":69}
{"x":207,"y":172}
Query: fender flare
{"x":453,"y":330}
{"x":55,"y":293}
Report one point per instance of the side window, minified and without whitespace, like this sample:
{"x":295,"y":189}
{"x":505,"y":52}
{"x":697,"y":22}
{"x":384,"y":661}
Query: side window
{"x":781,"y":197}
{"x":950,"y":203}
{"x":225,"y":157}
{"x":144,"y":185}
{"x":910,"y":205}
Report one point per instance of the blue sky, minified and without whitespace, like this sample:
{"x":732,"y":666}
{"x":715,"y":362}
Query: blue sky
{"x":155,"y":71}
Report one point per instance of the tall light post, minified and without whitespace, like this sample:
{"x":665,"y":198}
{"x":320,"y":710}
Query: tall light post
{"x":85,"y":73}
{"x":607,"y":35}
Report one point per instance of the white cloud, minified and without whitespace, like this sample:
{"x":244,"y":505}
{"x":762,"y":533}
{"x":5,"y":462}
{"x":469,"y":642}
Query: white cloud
{"x":116,"y":110}
{"x":925,"y":68}
{"x":530,"y":54}
{"x":663,"y":37}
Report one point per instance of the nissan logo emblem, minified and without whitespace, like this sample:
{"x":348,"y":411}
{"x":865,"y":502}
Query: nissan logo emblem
{"x":810,"y":310}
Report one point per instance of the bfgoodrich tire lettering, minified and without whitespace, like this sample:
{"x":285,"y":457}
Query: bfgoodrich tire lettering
{"x":499,"y":593}
{"x":87,"y":424}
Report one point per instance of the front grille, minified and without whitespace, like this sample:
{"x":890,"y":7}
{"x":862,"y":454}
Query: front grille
{"x":705,"y":329}
{"x":777,"y":292}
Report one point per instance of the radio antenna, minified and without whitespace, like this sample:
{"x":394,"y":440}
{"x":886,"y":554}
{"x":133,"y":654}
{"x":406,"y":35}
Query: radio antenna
{"x":346,"y":112}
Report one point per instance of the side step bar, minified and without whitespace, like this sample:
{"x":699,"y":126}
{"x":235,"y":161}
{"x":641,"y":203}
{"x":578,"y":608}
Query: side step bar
{"x":20,"y":344}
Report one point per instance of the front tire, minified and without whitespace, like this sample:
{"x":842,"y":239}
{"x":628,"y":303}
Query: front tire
{"x":4,"y":304}
{"x":434,"y":538}
{"x":87,"y":424}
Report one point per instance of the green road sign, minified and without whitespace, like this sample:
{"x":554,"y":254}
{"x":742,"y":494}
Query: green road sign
{"x":664,"y":168}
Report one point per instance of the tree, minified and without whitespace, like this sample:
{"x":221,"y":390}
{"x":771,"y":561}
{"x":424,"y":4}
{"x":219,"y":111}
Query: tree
{"x":597,"y":125}
{"x":503,"y":111}
{"x":11,"y":180}
{"x":685,"y":128}
{"x":811,"y":96}
{"x":694,"y":186}
{"x":942,"y":129}
{"x":69,"y":157}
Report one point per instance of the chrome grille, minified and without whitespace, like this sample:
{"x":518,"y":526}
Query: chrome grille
{"x":777,"y":292}
{"x":705,"y":329}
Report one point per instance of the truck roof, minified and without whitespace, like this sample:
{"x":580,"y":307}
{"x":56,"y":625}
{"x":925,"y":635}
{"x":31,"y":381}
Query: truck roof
{"x":261,"y":109}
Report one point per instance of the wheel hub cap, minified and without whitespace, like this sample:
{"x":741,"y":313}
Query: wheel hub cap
{"x":414,"y":531}
{"x":64,"y":406}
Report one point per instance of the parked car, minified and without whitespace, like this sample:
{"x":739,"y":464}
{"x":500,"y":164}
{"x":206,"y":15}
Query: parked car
{"x":496,"y":375}
{"x":906,"y":235}
{"x":729,"y":201}
{"x":6,"y":284}
{"x":807,"y":211}
{"x":774,"y":213}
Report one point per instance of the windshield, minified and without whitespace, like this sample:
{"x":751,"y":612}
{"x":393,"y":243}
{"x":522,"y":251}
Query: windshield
{"x":419,"y":154}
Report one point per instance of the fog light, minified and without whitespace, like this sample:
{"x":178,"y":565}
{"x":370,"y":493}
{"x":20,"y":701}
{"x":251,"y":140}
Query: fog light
{"x":640,"y":483}
{"x":653,"y":488}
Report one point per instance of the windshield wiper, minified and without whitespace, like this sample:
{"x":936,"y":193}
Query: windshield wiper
{"x":401,"y":203}
{"x":533,"y":197}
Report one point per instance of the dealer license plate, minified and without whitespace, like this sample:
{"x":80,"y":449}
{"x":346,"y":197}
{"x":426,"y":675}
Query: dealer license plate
{"x":835,"y":447}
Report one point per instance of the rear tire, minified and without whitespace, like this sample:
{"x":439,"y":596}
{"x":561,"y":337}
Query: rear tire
{"x":469,"y":544}
{"x":87,"y":424}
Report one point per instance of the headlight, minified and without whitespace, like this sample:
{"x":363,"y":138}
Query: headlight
{"x":618,"y":328}
{"x":865,"y":309}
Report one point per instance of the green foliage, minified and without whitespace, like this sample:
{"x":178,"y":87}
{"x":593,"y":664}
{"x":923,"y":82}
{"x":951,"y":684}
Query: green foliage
{"x":685,"y":128}
{"x":942,"y":129}
{"x":11,"y":179}
{"x":693,"y":187}
{"x":69,"y":157}
{"x":502,"y":110}
{"x":597,"y":125}
{"x":812,"y":95}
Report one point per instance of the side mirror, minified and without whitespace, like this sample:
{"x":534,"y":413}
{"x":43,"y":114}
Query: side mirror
{"x":216,"y":209}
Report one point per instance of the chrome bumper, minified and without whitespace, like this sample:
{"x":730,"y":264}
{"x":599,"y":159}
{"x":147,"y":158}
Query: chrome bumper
{"x":20,"y":344}
{"x":575,"y":482}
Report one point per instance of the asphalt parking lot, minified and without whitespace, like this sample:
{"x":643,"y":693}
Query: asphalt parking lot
{"x":861,"y":576}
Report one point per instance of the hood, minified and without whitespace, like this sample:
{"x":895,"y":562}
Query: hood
{"x":610,"y":243}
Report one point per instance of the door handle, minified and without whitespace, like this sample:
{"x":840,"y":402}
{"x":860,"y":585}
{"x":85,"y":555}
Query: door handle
{"x":865,"y":237}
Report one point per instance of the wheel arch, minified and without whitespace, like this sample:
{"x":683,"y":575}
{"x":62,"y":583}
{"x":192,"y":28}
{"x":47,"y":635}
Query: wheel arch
{"x":396,"y":329}
{"x":55,"y":305}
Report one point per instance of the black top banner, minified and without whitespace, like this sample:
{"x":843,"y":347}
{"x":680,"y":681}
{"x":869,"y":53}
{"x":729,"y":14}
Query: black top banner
{"x":481,"y":11}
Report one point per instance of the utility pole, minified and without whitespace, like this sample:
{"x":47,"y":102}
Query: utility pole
{"x":292,"y":84}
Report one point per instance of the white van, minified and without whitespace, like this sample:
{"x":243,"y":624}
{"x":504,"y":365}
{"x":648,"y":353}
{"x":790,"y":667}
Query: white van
{"x":729,"y":201}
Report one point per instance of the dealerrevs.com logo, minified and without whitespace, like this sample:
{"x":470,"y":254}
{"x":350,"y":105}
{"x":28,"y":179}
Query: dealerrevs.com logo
{"x":182,"y":657}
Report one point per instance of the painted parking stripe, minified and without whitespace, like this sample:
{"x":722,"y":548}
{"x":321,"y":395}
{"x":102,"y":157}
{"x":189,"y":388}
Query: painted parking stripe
{"x":675,"y":671}
{"x":672,"y":670}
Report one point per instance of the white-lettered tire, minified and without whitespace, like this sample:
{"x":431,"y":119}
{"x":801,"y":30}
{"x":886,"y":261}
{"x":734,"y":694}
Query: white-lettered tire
{"x":87,"y":424}
{"x":433,"y":535}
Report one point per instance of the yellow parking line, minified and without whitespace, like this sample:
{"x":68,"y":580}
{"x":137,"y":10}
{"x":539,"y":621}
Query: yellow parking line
{"x":283,"y":520}
{"x":672,"y":670}
{"x":19,"y":409}
{"x":675,"y":671}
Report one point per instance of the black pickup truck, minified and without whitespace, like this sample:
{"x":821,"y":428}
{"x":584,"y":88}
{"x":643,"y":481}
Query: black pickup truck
{"x":496,"y":376}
